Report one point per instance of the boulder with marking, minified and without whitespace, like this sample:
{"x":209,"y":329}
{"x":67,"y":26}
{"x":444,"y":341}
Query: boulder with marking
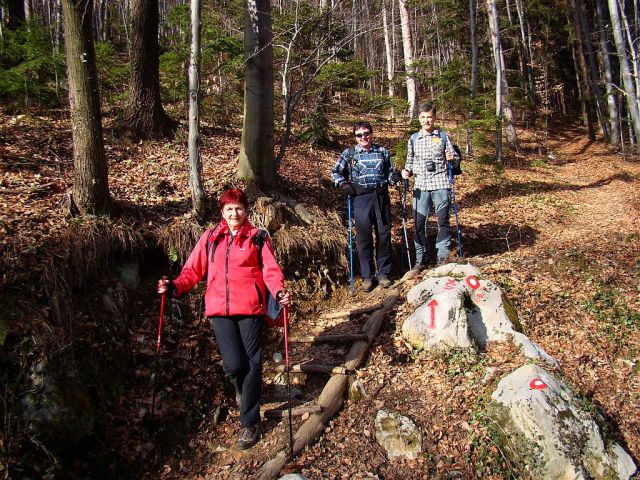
{"x":547,"y":432}
{"x":439,"y":324}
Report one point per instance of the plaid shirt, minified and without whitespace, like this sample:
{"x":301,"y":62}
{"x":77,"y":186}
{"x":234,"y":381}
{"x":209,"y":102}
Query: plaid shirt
{"x":368,"y":168}
{"x":429,"y":147}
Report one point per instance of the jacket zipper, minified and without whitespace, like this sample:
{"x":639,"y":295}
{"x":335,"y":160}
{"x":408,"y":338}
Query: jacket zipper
{"x":226,"y":273}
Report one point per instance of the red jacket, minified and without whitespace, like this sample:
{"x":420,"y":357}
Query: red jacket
{"x":236,"y":278}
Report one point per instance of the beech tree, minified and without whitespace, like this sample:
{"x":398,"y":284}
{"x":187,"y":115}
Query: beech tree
{"x":90,"y":186}
{"x":407,"y":46}
{"x":195,"y":163}
{"x":256,"y":162}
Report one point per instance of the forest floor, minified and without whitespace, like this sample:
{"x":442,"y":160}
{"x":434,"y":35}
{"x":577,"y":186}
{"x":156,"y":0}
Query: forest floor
{"x":556,"y":228}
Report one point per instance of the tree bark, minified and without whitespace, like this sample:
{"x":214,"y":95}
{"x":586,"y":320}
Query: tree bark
{"x":389,"y":55}
{"x":605,"y":55}
{"x":195,"y":164}
{"x":16,"y":13}
{"x":623,"y":59}
{"x":492,"y":11}
{"x":407,"y":47}
{"x":90,"y":186}
{"x":474,"y":68}
{"x":256,"y":162}
{"x":145,"y":117}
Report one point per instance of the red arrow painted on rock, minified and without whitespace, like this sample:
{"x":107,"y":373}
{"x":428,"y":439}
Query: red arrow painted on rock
{"x":432,"y":305}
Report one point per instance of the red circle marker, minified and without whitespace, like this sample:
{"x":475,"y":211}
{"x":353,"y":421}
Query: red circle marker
{"x":473,"y":282}
{"x":537,"y":384}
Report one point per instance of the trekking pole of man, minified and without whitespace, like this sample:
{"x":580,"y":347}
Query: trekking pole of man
{"x":455,"y":208}
{"x":351,"y":278}
{"x":404,"y":223}
{"x":288,"y":368}
{"x":155,"y":363}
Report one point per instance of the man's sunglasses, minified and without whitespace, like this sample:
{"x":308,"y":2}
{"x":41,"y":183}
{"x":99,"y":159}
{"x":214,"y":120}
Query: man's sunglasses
{"x":363,"y":134}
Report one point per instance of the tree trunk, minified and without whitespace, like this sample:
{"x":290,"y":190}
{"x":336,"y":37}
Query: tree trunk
{"x":389,"y":55}
{"x":407,"y":46}
{"x":195,"y":165}
{"x":492,"y":11}
{"x":90,"y":186}
{"x":474,"y":68}
{"x":526,"y":55}
{"x":256,"y":162}
{"x":608,"y":75}
{"x":145,"y":117}
{"x":16,"y":13}
{"x":629,"y":87}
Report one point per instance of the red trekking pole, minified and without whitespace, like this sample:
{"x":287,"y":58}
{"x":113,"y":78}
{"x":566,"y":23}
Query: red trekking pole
{"x":155,"y":366}
{"x":288,"y":368}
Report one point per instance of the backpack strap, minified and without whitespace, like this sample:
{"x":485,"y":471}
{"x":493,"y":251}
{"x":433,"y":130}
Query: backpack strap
{"x":413,"y":139}
{"x":259,"y":239}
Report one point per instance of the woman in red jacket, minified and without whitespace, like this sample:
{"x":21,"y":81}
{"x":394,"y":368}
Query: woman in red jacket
{"x":238,"y":273}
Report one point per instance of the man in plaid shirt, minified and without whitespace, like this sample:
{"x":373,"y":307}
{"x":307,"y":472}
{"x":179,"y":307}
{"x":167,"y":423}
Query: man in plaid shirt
{"x":363,"y":173}
{"x":428,"y":152}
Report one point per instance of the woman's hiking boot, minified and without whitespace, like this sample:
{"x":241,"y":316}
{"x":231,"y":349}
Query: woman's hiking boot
{"x":249,"y":436}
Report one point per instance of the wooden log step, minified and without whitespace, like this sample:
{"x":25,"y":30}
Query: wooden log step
{"x":351,"y":312}
{"x":296,"y":411}
{"x":329,"y":338}
{"x":315,"y":368}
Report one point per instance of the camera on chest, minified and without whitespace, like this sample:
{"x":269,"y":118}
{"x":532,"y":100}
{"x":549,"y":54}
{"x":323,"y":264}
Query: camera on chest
{"x":431,"y":166}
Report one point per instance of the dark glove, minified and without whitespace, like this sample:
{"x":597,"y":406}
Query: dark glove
{"x":395,"y":178}
{"x":348,"y":189}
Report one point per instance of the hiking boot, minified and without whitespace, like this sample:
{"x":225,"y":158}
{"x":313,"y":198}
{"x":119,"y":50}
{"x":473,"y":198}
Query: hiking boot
{"x":418,"y":267}
{"x":442,"y":261}
{"x":249,"y":436}
{"x":238,"y":399}
{"x":367,"y":285}
{"x":384,"y":281}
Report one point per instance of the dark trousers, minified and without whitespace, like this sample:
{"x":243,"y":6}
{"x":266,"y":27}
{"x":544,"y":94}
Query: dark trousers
{"x":367,"y":215}
{"x":240,"y":343}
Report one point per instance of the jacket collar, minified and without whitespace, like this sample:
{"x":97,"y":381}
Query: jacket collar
{"x":434,"y":133}
{"x":223,"y":229}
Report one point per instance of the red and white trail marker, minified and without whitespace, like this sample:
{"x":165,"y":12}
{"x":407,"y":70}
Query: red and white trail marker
{"x":473,"y":282}
{"x":537,"y":384}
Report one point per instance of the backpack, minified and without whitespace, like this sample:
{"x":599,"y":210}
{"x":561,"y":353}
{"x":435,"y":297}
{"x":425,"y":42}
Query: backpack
{"x":455,"y":164}
{"x":274,"y":315}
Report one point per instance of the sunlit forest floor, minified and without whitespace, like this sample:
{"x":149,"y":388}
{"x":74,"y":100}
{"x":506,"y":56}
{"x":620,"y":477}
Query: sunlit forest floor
{"x":556,"y":227}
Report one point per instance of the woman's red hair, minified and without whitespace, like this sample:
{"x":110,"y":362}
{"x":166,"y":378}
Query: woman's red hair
{"x":234,"y":195}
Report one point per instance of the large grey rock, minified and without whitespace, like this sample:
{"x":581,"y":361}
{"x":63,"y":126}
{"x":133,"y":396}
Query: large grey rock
{"x":398,"y":435}
{"x":439,"y":324}
{"x":489,"y":315}
{"x":548,"y":434}
{"x":492,"y":318}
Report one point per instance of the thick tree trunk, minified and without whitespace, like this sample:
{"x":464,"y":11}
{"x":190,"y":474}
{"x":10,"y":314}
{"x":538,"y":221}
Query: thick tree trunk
{"x":605,"y":55}
{"x":256,"y":162}
{"x":195,"y":165}
{"x":407,"y":46}
{"x":90,"y":186}
{"x":145,"y":117}
{"x":623,"y":59}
